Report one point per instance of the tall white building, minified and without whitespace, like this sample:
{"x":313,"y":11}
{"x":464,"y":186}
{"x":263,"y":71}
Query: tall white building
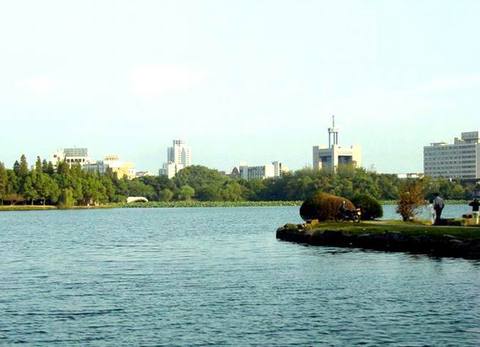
{"x":334,"y":155}
{"x":460,"y":160}
{"x":179,"y":153}
{"x":179,"y":156}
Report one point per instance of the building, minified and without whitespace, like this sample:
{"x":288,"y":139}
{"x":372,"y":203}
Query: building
{"x":273,"y":170}
{"x":179,"y":153}
{"x":123,"y":169}
{"x":144,"y":174}
{"x":120,"y":168}
{"x":179,"y":156}
{"x":460,"y":160}
{"x":410,"y":175}
{"x":71,"y":156}
{"x":170,"y":169}
{"x":334,"y":155}
{"x":99,"y":166}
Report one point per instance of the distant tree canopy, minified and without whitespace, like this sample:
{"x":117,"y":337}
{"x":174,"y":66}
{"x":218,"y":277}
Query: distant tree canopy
{"x":44,"y":183}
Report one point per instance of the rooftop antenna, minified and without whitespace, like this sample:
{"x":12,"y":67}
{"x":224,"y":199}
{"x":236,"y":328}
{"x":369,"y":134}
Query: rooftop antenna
{"x":332,"y":134}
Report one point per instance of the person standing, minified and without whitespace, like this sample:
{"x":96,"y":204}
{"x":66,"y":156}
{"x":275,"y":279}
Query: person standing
{"x":438,"y":205}
{"x":475,"y":210}
{"x":432,"y":211}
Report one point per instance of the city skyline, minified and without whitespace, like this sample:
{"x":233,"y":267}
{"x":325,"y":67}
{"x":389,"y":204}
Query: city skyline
{"x":127,"y":78}
{"x":155,"y":170}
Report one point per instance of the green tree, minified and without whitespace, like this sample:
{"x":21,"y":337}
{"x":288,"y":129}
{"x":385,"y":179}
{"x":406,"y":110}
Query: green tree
{"x":232,"y":191}
{"x":93,"y":191}
{"x":23,"y":169}
{"x":38,"y":165}
{"x":66,"y":199}
{"x":165,"y":195}
{"x":138,"y":188}
{"x":46,"y":188}
{"x":28,"y":189}
{"x":16,"y":168}
{"x":186,"y":192}
{"x":50,"y":168}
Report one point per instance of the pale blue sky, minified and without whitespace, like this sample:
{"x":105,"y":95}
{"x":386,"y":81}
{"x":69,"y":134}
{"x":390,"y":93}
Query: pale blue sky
{"x":252,"y":81}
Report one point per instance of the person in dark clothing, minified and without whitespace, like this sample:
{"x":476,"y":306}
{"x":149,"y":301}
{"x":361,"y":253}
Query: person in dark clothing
{"x":475,"y":210}
{"x":438,"y":205}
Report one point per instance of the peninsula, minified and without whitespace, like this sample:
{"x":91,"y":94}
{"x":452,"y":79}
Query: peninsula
{"x":390,"y":236}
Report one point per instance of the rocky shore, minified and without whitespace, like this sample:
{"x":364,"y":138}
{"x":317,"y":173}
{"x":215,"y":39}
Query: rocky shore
{"x":439,"y":241}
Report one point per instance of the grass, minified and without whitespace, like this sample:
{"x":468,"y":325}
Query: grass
{"x":193,"y":203}
{"x":157,"y":204}
{"x":27,"y":207}
{"x":406,"y":228}
{"x":447,"y":202}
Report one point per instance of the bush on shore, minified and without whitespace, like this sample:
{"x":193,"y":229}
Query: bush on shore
{"x":371,"y":207}
{"x":323,"y":206}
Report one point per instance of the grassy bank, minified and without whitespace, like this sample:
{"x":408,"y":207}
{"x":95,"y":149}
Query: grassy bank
{"x":409,"y":229}
{"x":157,"y":204}
{"x":27,"y":207}
{"x":447,"y":202}
{"x":176,"y":204}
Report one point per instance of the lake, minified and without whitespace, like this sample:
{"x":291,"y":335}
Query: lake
{"x":218,"y":276}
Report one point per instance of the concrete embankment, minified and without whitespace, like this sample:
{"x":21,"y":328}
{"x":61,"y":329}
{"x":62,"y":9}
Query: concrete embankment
{"x":442,"y":242}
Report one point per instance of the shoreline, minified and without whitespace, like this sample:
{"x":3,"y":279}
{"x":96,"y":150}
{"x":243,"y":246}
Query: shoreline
{"x":155,"y":204}
{"x":179,"y":204}
{"x":389,"y":236}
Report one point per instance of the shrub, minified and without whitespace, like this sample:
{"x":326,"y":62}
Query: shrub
{"x":411,"y":200}
{"x":371,"y":208}
{"x":323,"y":206}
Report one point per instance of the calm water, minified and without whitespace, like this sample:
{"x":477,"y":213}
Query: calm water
{"x":196,"y":277}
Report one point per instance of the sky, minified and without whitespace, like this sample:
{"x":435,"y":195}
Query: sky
{"x":239,"y":80}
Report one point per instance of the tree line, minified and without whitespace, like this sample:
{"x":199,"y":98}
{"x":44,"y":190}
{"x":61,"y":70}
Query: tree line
{"x":65,"y":185}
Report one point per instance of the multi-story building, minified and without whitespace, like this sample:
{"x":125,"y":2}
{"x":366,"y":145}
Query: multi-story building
{"x":71,"y":156}
{"x":99,"y":166}
{"x":170,"y":169}
{"x":334,"y":155}
{"x":460,"y":160}
{"x":179,"y":153}
{"x":179,"y":156}
{"x":120,"y":168}
{"x":273,"y":170}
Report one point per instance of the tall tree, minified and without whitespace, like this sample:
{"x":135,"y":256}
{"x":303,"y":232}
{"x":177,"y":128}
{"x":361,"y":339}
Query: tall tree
{"x":23,"y":170}
{"x":38,"y":165}
{"x":16,"y":167}
{"x":45,"y":166}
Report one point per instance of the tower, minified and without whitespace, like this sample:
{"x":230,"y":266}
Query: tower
{"x":332,"y":134}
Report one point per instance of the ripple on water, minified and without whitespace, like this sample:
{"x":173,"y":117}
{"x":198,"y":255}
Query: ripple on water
{"x":194,"y":277}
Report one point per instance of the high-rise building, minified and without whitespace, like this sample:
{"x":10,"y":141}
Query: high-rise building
{"x":179,"y":156}
{"x":334,"y":155}
{"x":179,"y":153}
{"x":460,"y":160}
